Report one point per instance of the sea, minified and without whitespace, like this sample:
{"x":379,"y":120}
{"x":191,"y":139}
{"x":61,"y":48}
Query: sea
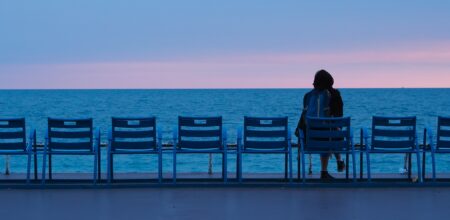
{"x":232,"y":104}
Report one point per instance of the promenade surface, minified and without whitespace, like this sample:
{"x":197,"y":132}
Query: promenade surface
{"x":226,"y":203}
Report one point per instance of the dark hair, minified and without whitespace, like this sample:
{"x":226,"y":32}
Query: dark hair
{"x":323,"y":80}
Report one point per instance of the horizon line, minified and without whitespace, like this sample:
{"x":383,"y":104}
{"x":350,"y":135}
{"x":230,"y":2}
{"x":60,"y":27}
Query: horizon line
{"x":225,"y":88}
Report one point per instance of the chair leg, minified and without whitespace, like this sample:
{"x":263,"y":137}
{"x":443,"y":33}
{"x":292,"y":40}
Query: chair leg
{"x":159,"y":167}
{"x":108,"y":169}
{"x":35,"y":165}
{"x":28,"y":168}
{"x":290,"y":166}
{"x":94,"y":178}
{"x":347,"y":166}
{"x":303,"y":167}
{"x":419,"y":171}
{"x":240,"y":167}
{"x":433,"y":165}
{"x":361,"y":167}
{"x":225,"y":168}
{"x":44,"y":165}
{"x":354,"y":166}
{"x":369,"y":177}
{"x":423,"y":165}
{"x":50,"y":176}
{"x":174,"y":175}
{"x":99,"y":163}
{"x":409,"y":166}
{"x":286,"y":166}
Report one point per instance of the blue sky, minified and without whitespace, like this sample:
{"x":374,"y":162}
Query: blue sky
{"x":65,"y":39}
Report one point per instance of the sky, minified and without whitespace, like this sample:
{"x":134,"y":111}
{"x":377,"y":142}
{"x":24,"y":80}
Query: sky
{"x":53,"y":44}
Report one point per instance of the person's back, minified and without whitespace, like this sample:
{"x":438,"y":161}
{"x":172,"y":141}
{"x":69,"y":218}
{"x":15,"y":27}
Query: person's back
{"x":322,"y":101}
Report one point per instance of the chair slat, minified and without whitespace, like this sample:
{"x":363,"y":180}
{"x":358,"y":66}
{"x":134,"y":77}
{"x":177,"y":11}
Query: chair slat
{"x":200,"y":133}
{"x":265,"y":144}
{"x":70,"y":123}
{"x":394,"y":121}
{"x":393,"y":144}
{"x":444,"y":121}
{"x":70,"y":146}
{"x":200,"y":144}
{"x":324,"y":123}
{"x":70,"y":134}
{"x":13,"y":146}
{"x":268,"y":134}
{"x":327,"y":134}
{"x":443,"y":144}
{"x":134,"y":134}
{"x":444,"y":133}
{"x":134,"y":145}
{"x":393,"y":133}
{"x":199,"y":121}
{"x":134,"y":122}
{"x":265,"y":121}
{"x":12,"y":123}
{"x":12,"y":135}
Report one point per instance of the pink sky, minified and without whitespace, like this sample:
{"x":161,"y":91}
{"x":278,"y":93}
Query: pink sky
{"x":422,"y":66}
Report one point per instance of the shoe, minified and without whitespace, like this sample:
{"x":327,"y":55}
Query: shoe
{"x":340,"y":165}
{"x":325,"y":176}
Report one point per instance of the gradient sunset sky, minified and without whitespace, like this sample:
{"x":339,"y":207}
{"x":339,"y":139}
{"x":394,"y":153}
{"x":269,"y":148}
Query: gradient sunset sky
{"x":223,"y":44}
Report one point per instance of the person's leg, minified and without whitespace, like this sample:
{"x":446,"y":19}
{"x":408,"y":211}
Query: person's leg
{"x":324,"y":162}
{"x":324,"y":175}
{"x":339,"y":162}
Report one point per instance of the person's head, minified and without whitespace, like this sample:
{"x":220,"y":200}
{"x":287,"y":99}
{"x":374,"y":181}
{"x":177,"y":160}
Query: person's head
{"x":323,"y":80}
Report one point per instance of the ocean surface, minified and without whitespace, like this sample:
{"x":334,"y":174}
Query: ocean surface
{"x":232,"y":104}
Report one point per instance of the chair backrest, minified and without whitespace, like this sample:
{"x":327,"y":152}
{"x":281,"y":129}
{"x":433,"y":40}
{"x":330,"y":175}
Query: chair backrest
{"x":200,"y":132}
{"x":133,"y":133}
{"x":443,"y":133}
{"x":13,"y":134}
{"x":70,"y":134}
{"x":390,"y":133}
{"x":328,"y":133}
{"x":266,"y":133}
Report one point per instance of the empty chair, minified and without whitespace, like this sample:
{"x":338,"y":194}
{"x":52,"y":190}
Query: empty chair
{"x":202,"y":135}
{"x":326,"y":136}
{"x":440,"y":145}
{"x":134,"y":136}
{"x":393,"y":135}
{"x":265,"y":135}
{"x":71,"y":137}
{"x":14,"y":141}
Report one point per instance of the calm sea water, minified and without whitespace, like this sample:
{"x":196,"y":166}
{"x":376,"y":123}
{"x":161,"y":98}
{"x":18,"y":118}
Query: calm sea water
{"x":232,"y":104}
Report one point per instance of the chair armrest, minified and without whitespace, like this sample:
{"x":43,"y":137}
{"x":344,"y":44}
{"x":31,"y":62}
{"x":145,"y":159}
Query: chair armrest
{"x":224,"y":137}
{"x":159,"y":139}
{"x":430,"y":138}
{"x":351,"y":138}
{"x":365,"y":138}
{"x":31,"y":139}
{"x":239,"y":138}
{"x":175,"y":138}
{"x":109,"y":140}
{"x":289,"y":134}
{"x":97,"y":139}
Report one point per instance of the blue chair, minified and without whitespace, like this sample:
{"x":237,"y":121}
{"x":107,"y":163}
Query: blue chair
{"x":265,"y":135}
{"x":327,"y":135}
{"x":393,"y":135}
{"x":440,"y":145}
{"x":202,"y":135}
{"x":134,"y":136}
{"x":14,"y":141}
{"x":71,"y":137}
